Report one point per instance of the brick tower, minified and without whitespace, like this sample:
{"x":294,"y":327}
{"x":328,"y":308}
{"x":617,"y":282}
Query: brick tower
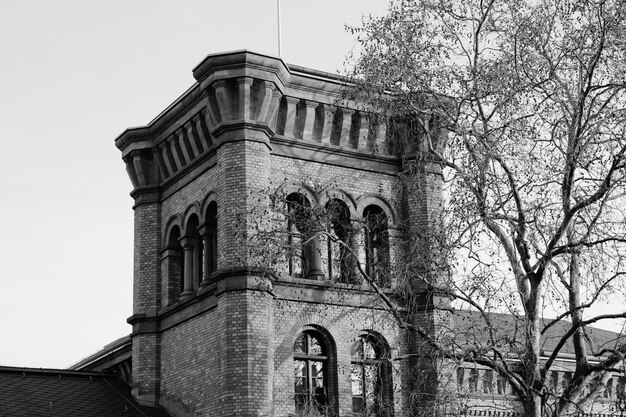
{"x":247,"y":300}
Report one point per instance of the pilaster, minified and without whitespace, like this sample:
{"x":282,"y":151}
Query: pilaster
{"x":425,"y":255}
{"x":146,"y":298}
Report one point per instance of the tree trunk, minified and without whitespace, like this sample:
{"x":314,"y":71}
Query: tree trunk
{"x":532,"y":401}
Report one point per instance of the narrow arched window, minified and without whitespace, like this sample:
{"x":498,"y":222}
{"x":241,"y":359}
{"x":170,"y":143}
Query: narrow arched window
{"x":299,"y":229}
{"x":502,"y":385}
{"x":192,"y":257}
{"x":339,"y":257}
{"x":209,"y":240}
{"x":487,"y":381}
{"x":377,"y":245}
{"x":608,"y":389}
{"x":620,"y":388}
{"x":173,"y":267}
{"x":370,"y":377}
{"x":473,"y":380}
{"x":311,"y":363}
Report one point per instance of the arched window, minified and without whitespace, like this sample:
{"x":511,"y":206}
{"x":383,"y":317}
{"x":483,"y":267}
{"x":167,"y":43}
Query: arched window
{"x":311,"y":379}
{"x":173,"y":267}
{"x":620,"y":388}
{"x":209,"y":240}
{"x":377,"y":245}
{"x":370,"y":376}
{"x":608,"y":389}
{"x":487,"y":381}
{"x":472,"y":380}
{"x":298,"y":228}
{"x":192,"y":257}
{"x":339,"y":258}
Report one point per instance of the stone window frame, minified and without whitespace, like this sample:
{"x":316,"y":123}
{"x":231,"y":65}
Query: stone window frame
{"x":349,"y":254}
{"x":172,"y":266}
{"x":339,"y":253}
{"x":364,"y":202}
{"x":321,"y":401}
{"x":376,"y":244}
{"x":209,"y":235}
{"x":299,"y":253}
{"x":382,"y":400}
{"x":197,"y":233}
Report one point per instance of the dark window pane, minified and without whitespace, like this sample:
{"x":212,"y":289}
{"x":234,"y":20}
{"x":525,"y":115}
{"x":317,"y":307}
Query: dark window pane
{"x":621,"y":386}
{"x":319,"y":395}
{"x":473,"y":380}
{"x":358,"y":405}
{"x":301,"y":401}
{"x":501,"y":385}
{"x":376,"y":244}
{"x":300,"y":381}
{"x":488,"y":382}
{"x":309,"y":378}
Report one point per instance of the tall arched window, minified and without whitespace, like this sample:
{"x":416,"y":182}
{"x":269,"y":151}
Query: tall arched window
{"x":192,"y":257}
{"x":298,"y":228}
{"x":377,"y":245}
{"x":209,"y":240}
{"x":370,"y":376}
{"x":311,"y":379}
{"x":339,"y":257}
{"x":173,"y":267}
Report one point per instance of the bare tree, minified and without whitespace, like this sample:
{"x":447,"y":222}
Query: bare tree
{"x":531,"y":96}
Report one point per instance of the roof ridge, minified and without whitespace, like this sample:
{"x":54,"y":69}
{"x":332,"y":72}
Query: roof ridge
{"x":54,"y":371}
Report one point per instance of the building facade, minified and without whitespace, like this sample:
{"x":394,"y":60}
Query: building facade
{"x":234,"y":285}
{"x":275,"y":223}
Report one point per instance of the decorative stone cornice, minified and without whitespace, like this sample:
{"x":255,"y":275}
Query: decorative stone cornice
{"x":241,"y":63}
{"x":143,"y":324}
{"x":243,"y":95}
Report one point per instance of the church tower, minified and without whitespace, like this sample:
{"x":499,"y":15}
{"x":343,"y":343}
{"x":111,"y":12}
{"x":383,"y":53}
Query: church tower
{"x":270,"y":232}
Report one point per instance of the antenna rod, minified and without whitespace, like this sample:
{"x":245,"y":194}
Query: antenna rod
{"x":280,"y":52}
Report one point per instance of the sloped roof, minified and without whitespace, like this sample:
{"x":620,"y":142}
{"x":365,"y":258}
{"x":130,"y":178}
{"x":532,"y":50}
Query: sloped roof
{"x":29,"y":392}
{"x":114,"y":352}
{"x":471,"y":329}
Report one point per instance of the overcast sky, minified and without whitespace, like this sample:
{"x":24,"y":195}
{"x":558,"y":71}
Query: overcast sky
{"x":73,"y":75}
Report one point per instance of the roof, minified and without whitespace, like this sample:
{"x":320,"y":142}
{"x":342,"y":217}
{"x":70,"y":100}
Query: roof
{"x":29,"y":392}
{"x":114,"y":352}
{"x":470,"y":329}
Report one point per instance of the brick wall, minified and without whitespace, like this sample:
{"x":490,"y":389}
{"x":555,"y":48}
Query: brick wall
{"x":190,"y":360}
{"x":342,"y":325}
{"x":146,"y":259}
{"x":146,"y":294}
{"x":245,"y":373}
{"x":243,"y":172}
{"x":146,"y":368}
